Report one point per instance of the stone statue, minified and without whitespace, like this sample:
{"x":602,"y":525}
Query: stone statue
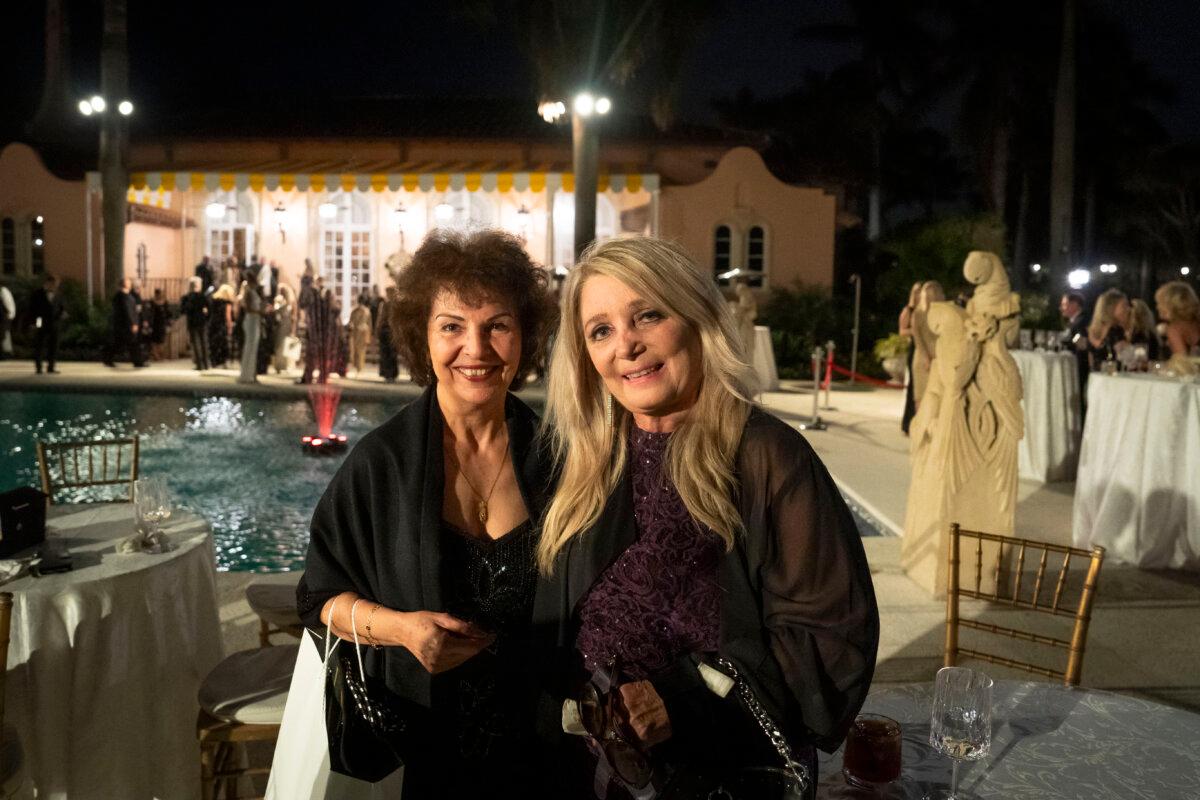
{"x":966,"y":430}
{"x":745,"y":311}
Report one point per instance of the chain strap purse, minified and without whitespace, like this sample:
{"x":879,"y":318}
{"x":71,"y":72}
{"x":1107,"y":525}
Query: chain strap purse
{"x":360,"y":727}
{"x":793,"y":781}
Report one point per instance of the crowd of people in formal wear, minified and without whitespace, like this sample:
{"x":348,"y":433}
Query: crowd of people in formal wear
{"x":1119,"y":332}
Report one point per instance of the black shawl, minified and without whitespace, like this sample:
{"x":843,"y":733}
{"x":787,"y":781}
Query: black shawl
{"x":798,"y":612}
{"x":376,"y":529}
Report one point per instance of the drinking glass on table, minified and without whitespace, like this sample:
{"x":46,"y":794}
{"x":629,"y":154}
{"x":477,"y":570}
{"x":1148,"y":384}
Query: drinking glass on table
{"x":151,"y":503}
{"x":872,"y":757}
{"x":961,"y":723}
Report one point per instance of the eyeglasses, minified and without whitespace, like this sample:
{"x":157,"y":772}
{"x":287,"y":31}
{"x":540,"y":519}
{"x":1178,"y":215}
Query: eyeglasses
{"x":596,"y":713}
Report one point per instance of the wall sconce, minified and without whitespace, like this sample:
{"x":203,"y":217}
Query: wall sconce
{"x":443,"y":212}
{"x":215,"y":211}
{"x":327,"y":210}
{"x":523,"y":221}
{"x":281,"y":215}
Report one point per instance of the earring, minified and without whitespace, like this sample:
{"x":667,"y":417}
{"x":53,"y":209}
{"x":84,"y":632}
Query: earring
{"x":608,"y":409}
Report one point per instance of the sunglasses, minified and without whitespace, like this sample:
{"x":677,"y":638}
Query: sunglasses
{"x":596,"y":713}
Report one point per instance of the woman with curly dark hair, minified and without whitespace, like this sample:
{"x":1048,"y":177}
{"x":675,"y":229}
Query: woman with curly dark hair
{"x":424,"y":541}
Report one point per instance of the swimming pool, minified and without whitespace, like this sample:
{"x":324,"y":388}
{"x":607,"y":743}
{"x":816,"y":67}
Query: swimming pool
{"x":235,"y":461}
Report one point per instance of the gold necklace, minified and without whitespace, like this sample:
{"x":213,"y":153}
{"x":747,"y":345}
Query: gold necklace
{"x":481,"y":509}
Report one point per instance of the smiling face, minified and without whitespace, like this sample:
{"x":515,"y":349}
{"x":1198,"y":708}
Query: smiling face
{"x":474,"y":350}
{"x":649,"y":360}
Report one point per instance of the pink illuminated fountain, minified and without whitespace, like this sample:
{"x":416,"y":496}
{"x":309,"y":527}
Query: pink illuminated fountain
{"x":324,"y":400}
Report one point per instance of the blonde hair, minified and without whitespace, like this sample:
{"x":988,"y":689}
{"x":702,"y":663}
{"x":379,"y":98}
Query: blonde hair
{"x":589,"y":452}
{"x":1141,"y":320}
{"x":224,"y":293}
{"x":1179,"y":300}
{"x":1104,"y":315}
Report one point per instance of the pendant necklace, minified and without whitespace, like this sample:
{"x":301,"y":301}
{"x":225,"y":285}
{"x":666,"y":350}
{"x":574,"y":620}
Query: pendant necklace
{"x":481,"y":508}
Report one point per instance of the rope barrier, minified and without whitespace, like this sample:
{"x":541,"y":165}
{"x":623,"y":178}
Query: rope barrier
{"x":863,"y":378}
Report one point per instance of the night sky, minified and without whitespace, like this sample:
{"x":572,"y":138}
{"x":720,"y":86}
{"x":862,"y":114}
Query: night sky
{"x":219,"y":54}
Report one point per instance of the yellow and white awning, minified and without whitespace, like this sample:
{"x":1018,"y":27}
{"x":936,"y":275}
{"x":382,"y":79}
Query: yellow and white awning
{"x":384,"y":181}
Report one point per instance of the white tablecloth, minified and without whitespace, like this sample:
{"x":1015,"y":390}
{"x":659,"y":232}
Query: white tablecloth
{"x":105,"y":661}
{"x":1050,"y":449}
{"x":1048,"y":741}
{"x":1138,"y":488}
{"x":764,"y":359}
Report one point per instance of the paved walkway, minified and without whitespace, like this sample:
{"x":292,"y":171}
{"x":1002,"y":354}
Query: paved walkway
{"x":1143,"y":635}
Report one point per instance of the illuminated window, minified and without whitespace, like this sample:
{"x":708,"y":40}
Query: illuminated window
{"x":756,"y":255}
{"x":722,"y":248}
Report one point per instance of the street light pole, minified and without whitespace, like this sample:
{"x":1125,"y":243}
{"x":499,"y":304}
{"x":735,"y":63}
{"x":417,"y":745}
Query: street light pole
{"x":585,"y":142}
{"x":114,"y":142}
{"x":856,"y":279}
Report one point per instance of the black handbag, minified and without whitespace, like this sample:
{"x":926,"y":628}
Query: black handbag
{"x":22,"y":520}
{"x":794,"y":780}
{"x":363,"y":730}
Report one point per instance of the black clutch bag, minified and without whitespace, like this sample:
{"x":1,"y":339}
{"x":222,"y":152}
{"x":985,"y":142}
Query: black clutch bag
{"x":22,"y":520}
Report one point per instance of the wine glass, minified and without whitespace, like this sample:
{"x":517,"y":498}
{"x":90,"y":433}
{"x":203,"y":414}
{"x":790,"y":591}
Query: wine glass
{"x":151,"y":504}
{"x":961,"y":723}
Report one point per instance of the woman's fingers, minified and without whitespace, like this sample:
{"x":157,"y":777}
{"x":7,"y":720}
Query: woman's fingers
{"x":458,"y":626}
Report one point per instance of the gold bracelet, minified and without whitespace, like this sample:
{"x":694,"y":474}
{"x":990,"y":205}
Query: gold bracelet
{"x":370,"y":638}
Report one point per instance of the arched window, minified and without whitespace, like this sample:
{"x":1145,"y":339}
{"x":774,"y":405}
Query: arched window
{"x":8,"y":246}
{"x":756,"y":255}
{"x":462,"y":210}
{"x":722,"y":249}
{"x":37,"y":236}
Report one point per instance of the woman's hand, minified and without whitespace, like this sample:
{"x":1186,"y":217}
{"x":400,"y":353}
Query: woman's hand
{"x":439,"y":641}
{"x":642,"y":711}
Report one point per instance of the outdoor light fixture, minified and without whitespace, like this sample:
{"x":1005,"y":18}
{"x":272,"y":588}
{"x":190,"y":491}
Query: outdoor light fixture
{"x":1108,"y":269}
{"x":37,"y":242}
{"x":39,"y":219}
{"x":215,"y":211}
{"x":401,"y":214}
{"x":552,"y":110}
{"x":98,"y":104}
{"x":1185,"y":271}
{"x":1035,"y":268}
{"x":327,"y":210}
{"x":603,"y":105}
{"x":125,"y":107}
{"x":584,"y":104}
{"x":730,"y":275}
{"x":85,"y":108}
{"x":280,"y":214}
{"x":443,"y":212}
{"x":1078,"y":278}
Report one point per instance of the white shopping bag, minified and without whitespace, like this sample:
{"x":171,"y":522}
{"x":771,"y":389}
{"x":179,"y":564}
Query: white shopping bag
{"x":300,"y":768}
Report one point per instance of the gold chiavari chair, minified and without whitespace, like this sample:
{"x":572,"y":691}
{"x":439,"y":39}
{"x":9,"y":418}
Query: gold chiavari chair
{"x":1009,"y":582}
{"x":71,"y":465}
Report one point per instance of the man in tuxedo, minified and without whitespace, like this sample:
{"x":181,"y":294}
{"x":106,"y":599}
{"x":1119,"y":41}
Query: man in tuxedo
{"x":197,"y":308}
{"x":204,"y":271}
{"x":46,"y":310}
{"x":1075,"y":338}
{"x":125,"y":326}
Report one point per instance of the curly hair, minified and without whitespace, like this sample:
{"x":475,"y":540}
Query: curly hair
{"x":477,"y":267}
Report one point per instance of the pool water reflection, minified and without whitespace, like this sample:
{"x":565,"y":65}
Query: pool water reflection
{"x":237,"y":462}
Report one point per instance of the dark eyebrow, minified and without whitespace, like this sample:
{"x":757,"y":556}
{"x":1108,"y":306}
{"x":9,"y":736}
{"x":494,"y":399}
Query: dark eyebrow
{"x":451,"y":316}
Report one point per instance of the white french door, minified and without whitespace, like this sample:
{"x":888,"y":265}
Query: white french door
{"x":346,"y":263}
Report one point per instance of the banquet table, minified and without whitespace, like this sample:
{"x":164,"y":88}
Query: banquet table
{"x":1048,"y":741}
{"x":105,"y":661}
{"x":1137,"y":491}
{"x":1050,"y":398}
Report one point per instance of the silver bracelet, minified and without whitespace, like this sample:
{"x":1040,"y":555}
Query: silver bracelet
{"x":797,"y":770}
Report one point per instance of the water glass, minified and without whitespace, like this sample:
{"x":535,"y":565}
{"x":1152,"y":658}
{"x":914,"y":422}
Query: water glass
{"x":151,"y":502}
{"x":961,"y":723}
{"x":872,"y":757}
{"x":1026,"y":339}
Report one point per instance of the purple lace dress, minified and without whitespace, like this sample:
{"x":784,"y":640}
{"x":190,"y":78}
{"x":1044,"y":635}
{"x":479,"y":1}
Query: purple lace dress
{"x":659,"y":601}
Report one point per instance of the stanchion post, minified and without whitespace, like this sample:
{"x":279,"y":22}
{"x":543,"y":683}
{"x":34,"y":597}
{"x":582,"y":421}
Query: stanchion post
{"x":815,"y":424}
{"x":856,"y":279}
{"x":829,"y":348}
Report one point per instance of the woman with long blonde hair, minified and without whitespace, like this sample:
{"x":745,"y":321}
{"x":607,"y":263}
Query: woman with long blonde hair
{"x":1142,"y":329}
{"x":1106,"y":332}
{"x":1179,"y":307}
{"x":687,"y":526}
